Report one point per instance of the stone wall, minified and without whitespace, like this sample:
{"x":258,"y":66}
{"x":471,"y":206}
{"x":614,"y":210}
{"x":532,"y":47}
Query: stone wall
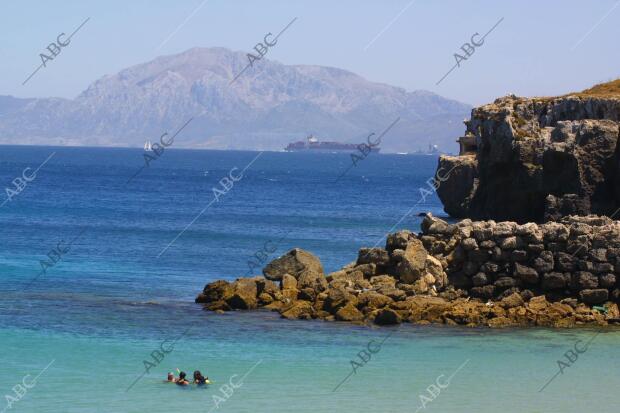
{"x":578,"y":257}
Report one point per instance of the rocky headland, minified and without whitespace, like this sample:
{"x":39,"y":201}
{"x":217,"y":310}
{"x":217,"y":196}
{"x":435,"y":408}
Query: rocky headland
{"x":541,"y":168}
{"x":537,"y":159}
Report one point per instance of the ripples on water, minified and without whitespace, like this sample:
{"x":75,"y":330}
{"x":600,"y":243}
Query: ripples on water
{"x":110,"y":302}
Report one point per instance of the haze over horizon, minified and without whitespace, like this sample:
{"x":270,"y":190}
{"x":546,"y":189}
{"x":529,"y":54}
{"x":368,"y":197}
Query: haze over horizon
{"x":347,"y":206}
{"x":362,"y":37}
{"x":232,"y":105}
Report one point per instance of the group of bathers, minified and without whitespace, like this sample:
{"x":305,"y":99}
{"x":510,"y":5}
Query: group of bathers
{"x":199,"y":379}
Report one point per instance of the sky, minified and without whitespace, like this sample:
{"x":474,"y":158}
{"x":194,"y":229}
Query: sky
{"x":536,"y":48}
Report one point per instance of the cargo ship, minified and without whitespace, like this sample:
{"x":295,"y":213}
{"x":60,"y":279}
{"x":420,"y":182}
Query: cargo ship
{"x":312,"y":144}
{"x":432,"y":150}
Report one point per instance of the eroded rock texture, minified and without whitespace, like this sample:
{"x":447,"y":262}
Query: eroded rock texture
{"x":535,"y":160}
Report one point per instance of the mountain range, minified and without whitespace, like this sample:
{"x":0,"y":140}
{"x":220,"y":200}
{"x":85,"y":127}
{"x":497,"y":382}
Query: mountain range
{"x":269,"y":105}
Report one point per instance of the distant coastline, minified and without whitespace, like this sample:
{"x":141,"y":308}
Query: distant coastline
{"x":180,"y":147}
{"x":118,"y":109}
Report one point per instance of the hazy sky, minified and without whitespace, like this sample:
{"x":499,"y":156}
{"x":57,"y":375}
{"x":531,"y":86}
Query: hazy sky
{"x":539,"y":48}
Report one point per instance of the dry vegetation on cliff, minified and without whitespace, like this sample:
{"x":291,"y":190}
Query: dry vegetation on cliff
{"x":538,"y":159}
{"x":608,"y":89}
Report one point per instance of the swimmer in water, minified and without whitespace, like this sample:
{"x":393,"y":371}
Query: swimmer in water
{"x":171,"y":378}
{"x":199,"y":379}
{"x":182,"y":381}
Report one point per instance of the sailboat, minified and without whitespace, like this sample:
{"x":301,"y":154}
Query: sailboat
{"x":148,"y":146}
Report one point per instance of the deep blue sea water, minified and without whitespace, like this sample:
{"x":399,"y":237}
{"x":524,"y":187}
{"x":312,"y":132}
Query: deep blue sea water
{"x":116,"y":294}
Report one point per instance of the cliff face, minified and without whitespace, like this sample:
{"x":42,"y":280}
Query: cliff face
{"x":536,"y":160}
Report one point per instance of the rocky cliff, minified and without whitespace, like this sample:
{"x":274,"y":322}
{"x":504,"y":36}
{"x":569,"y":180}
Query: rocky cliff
{"x":524,"y":160}
{"x":537,"y":159}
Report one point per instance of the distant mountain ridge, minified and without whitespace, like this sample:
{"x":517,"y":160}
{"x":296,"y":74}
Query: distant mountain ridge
{"x":268,"y":106}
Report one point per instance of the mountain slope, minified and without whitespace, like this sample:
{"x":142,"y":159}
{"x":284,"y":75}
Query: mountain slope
{"x":269,"y":105}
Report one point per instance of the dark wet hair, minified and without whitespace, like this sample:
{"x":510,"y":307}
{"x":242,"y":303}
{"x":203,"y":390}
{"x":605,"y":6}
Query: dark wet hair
{"x":182,"y":375}
{"x":199,"y":377}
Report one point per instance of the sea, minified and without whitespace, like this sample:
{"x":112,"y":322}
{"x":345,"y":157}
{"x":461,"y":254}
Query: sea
{"x":103,"y":250}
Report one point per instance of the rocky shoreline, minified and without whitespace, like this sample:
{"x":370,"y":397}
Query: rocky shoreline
{"x":559,"y":274}
{"x":553,"y":161}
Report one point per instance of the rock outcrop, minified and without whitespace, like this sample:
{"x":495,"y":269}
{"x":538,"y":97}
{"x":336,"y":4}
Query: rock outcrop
{"x":497,"y":274}
{"x":297,"y":262}
{"x":535,"y":160}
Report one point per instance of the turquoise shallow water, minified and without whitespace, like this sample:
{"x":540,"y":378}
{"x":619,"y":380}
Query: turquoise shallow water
{"x":110,"y":302}
{"x":298,"y":365}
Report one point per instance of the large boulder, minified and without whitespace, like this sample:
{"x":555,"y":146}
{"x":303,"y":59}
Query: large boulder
{"x":298,"y":310}
{"x":468,"y":313}
{"x":538,"y":303}
{"x":213,"y":292}
{"x":397,"y":240}
{"x":377,"y":256}
{"x":288,"y":282}
{"x":265,"y":286}
{"x":526,"y":274}
{"x":313,"y":280}
{"x":433,"y":267}
{"x":425,"y":285}
{"x":243,"y":294}
{"x":594,"y":296}
{"x":338,"y":298}
{"x":349,"y":313}
{"x":426,"y":308}
{"x":387,"y":316}
{"x":511,"y":301}
{"x":412,"y":262}
{"x":295,"y":262}
{"x":372,"y":300}
{"x":348,"y":280}
{"x":379,"y":281}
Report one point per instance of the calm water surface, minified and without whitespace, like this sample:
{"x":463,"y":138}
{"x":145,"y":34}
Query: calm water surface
{"x":96,"y":315}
